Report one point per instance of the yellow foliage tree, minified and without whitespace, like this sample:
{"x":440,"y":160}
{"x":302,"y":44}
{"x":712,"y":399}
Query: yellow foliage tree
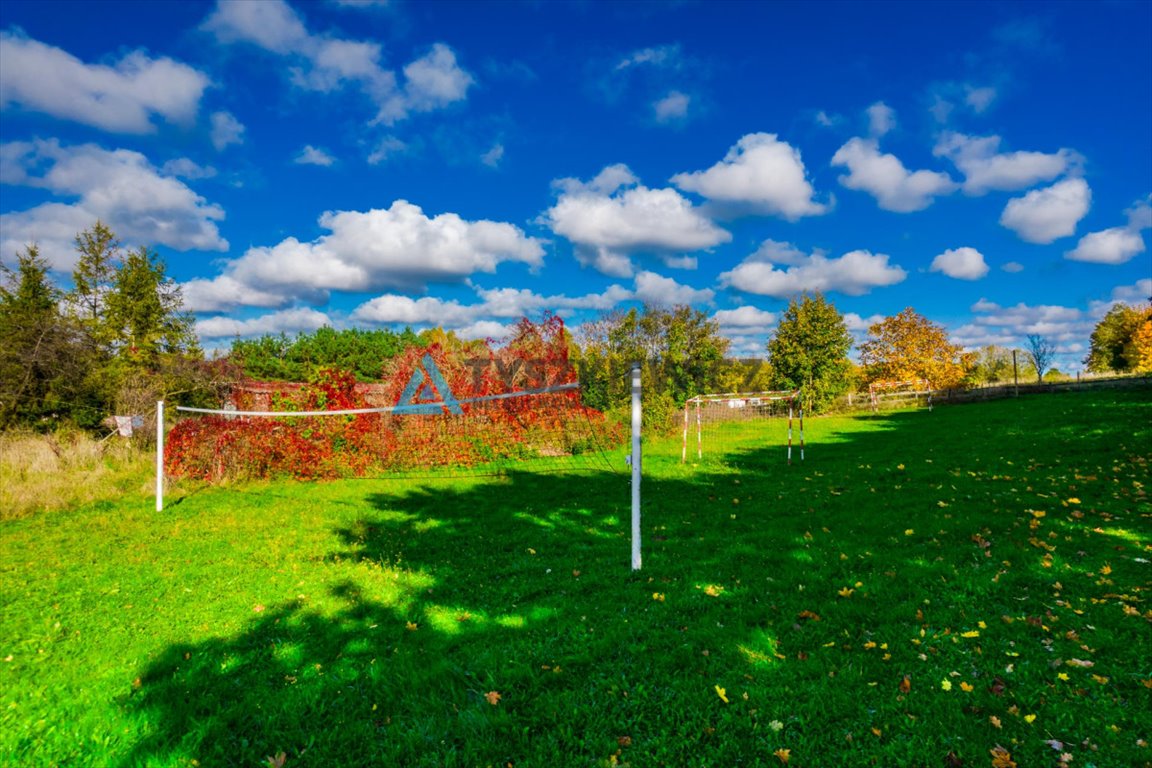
{"x":909,"y":346}
{"x":1142,"y":348}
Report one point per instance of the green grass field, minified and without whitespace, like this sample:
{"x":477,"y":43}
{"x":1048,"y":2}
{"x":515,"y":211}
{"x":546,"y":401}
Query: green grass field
{"x":967,"y":587}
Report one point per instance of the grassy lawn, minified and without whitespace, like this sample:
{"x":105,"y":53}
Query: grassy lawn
{"x":924,"y":590}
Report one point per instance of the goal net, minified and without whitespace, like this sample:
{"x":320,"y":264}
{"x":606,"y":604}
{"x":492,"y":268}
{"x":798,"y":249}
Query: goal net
{"x":436,"y":413}
{"x":723,"y":424}
{"x":890,"y":395}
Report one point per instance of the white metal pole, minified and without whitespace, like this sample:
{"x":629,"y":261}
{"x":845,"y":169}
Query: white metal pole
{"x":790,"y":405}
{"x":636,"y":466}
{"x":699,"y":438}
{"x":160,"y":456}
{"x":684,"y":444}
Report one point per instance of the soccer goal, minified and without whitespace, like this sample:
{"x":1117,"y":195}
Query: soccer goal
{"x":721,"y":422}
{"x":911,"y":393}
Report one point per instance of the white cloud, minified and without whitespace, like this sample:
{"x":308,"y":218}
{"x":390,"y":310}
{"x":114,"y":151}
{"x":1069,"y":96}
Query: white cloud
{"x":1118,"y":244}
{"x":295,"y":320}
{"x":986,"y":168}
{"x":123,"y":98}
{"x":1110,"y":246}
{"x":652,"y":288}
{"x":396,"y":247}
{"x":1056,"y":323}
{"x":1047,"y":214}
{"x":504,"y":303}
{"x":187,"y":169}
{"x":1137,"y":293}
{"x":432,"y":82}
{"x":881,"y":119}
{"x":388,"y":146}
{"x":761,"y":174}
{"x":271,"y":24}
{"x":119,"y":187}
{"x":961,"y":263}
{"x":672,"y":107}
{"x":979,"y":99}
{"x":827,"y":120}
{"x":665,"y":55}
{"x":855,"y":273}
{"x":858,"y":324}
{"x":745,"y":319}
{"x":223,"y":293}
{"x":493,"y":156}
{"x":1140,"y":214}
{"x":324,"y":63}
{"x":311,"y":155}
{"x":404,"y":310}
{"x":613,"y":215}
{"x":226,"y":130}
{"x":884,"y":177}
{"x":1013,"y":267}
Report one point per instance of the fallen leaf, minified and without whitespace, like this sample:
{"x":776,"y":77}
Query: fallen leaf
{"x":1029,"y":719}
{"x":722,"y":693}
{"x":965,"y":687}
{"x":995,"y":721}
{"x":776,"y":726}
{"x":624,"y":741}
{"x":784,"y":755}
{"x":1002,"y":758}
{"x":493,"y":697}
{"x":278,"y":761}
{"x":905,"y":684}
{"x":946,"y":684}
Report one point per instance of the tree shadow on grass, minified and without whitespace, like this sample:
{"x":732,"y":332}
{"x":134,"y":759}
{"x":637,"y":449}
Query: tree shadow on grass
{"x":512,"y":631}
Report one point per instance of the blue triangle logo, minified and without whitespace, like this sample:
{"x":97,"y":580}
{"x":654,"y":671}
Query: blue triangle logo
{"x":427,"y":384}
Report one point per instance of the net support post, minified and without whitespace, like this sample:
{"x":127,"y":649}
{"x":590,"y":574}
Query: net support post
{"x":160,"y":456}
{"x":636,"y":453}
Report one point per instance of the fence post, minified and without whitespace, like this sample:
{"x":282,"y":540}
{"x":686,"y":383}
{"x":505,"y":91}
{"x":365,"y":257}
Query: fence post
{"x":160,"y":456}
{"x":636,"y":458}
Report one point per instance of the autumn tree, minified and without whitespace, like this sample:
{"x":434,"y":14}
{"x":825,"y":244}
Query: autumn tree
{"x":809,"y":351}
{"x":1141,"y":348}
{"x":909,"y":346}
{"x":1114,"y":344}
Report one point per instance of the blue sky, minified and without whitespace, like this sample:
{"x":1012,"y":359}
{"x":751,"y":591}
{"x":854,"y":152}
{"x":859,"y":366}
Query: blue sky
{"x":382,"y":164}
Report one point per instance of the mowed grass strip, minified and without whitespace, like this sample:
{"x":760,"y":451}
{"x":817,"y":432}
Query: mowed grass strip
{"x":924,"y":589}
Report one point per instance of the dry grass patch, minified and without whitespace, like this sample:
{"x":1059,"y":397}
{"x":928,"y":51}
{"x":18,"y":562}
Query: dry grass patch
{"x":41,"y":473}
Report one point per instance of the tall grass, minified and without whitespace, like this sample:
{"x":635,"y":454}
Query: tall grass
{"x":64,"y":470}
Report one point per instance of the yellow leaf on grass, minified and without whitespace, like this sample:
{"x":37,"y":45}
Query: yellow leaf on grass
{"x":995,"y":721}
{"x":493,"y":697}
{"x":1107,"y":569}
{"x":1002,"y":758}
{"x":965,"y":687}
{"x":946,"y":685}
{"x":1029,"y":719}
{"x":909,"y":531}
{"x":722,"y":693}
{"x":971,"y":633}
{"x":1100,"y":679}
{"x":846,"y":592}
{"x":783,"y":755}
